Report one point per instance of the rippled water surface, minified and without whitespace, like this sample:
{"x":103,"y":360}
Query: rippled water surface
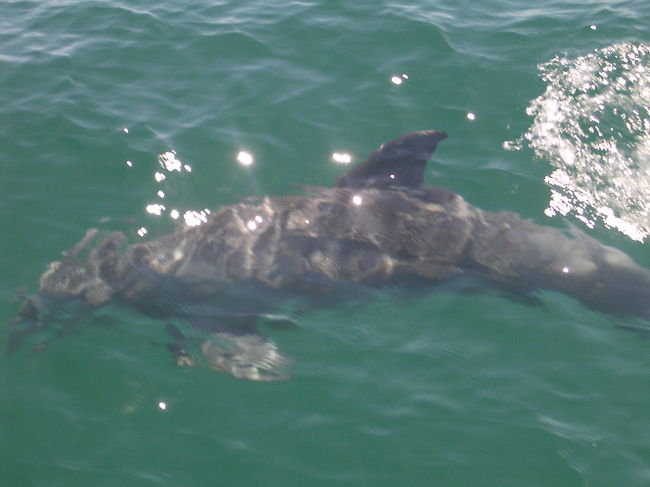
{"x":140,"y":116}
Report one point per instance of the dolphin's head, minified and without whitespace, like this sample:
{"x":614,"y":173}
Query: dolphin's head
{"x":71,"y":278}
{"x":93,"y":277}
{"x":71,"y":285}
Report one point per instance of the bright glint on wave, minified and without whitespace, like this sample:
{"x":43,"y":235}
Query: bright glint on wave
{"x":592,"y":124}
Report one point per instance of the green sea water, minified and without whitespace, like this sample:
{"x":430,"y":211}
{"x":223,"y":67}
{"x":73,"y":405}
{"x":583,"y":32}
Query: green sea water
{"x":130,"y":115}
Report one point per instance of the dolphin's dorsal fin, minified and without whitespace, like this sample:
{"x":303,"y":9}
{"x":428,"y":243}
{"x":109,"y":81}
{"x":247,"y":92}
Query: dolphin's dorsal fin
{"x":400,"y":162}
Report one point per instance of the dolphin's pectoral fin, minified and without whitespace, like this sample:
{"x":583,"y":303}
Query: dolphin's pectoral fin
{"x":178,"y":348}
{"x":233,"y":345}
{"x":246,"y":356}
{"x":400,"y":162}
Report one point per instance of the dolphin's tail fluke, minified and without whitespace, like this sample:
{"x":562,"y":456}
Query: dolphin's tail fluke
{"x":620,"y":286}
{"x":508,"y":249}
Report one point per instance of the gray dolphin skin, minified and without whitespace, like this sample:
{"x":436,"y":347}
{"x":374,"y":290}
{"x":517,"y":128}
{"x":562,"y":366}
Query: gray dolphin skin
{"x":380,"y":224}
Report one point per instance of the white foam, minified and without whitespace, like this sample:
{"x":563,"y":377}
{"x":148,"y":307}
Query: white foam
{"x":592,"y":124}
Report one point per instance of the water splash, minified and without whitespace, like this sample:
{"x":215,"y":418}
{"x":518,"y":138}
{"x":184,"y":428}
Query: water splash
{"x":593,"y":125}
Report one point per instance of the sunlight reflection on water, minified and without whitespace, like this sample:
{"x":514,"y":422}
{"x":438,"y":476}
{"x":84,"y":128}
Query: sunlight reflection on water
{"x":593,"y":125}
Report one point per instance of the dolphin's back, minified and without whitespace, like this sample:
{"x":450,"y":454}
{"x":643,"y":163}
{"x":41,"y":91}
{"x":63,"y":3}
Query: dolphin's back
{"x":336,"y":234}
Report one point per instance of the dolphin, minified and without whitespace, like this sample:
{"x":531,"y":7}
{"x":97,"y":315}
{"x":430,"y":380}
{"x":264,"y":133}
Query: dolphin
{"x":379,"y":224}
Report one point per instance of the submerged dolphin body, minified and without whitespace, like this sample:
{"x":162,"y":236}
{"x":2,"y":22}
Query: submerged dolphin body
{"x":379,"y":224}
